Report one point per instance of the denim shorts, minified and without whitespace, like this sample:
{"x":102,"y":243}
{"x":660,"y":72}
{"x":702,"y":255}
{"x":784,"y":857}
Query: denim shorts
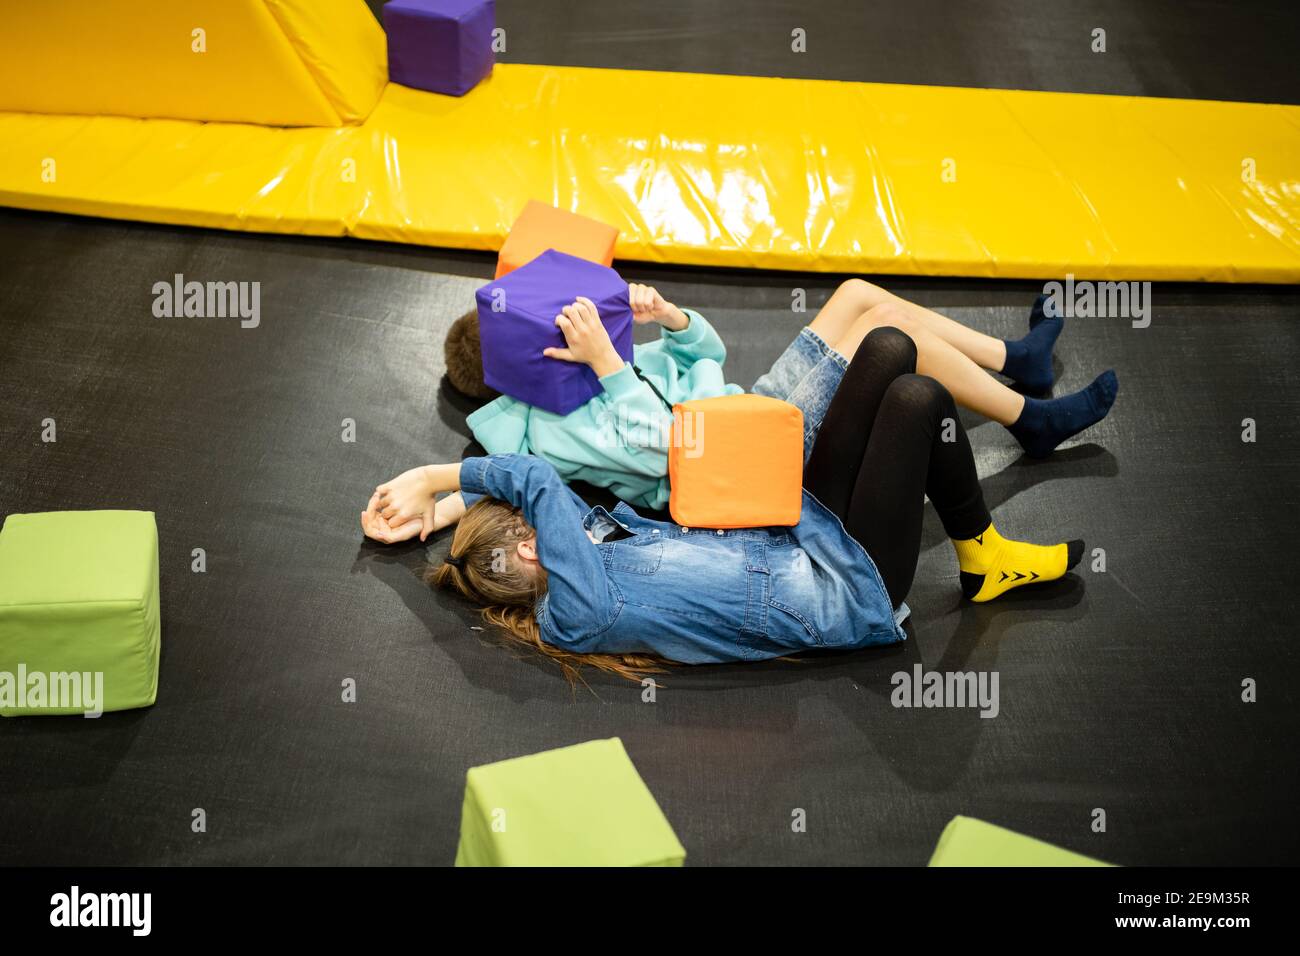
{"x":807,"y":375}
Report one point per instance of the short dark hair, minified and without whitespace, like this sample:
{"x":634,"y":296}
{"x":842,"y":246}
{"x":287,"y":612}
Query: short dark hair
{"x":464,"y":357}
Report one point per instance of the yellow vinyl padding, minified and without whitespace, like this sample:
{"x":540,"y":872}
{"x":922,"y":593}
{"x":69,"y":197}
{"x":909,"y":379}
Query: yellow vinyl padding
{"x":276,"y":62}
{"x":344,"y":48}
{"x":727,"y":171}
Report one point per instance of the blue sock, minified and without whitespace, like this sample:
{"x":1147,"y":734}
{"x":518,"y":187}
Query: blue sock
{"x":1038,"y":311}
{"x":1029,"y":360}
{"x":1045,"y":423}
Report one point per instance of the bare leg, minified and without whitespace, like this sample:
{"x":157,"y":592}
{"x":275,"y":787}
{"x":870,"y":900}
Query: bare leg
{"x":986,"y":351}
{"x":841,"y":310}
{"x":969,"y":384}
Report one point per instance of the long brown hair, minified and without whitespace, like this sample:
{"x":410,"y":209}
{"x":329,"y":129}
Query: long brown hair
{"x":488,"y":571}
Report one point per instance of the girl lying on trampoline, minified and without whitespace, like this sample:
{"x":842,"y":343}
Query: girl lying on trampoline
{"x":625,"y":594}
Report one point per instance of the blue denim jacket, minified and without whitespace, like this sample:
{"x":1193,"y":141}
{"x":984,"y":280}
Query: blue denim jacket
{"x":693,"y":595}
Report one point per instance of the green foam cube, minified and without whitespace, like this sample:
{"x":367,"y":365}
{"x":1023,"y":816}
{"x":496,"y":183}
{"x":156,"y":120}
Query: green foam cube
{"x":966,"y":841}
{"x":583,"y":805}
{"x":78,"y":607}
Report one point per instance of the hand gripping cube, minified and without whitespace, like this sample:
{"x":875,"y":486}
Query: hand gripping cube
{"x":516,"y":316}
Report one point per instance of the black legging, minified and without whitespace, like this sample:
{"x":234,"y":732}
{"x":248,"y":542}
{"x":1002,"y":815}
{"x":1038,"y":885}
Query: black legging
{"x":881,"y":450}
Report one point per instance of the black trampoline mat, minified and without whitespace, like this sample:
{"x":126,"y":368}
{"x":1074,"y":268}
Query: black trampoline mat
{"x":1119,"y":690}
{"x":1195,"y":49}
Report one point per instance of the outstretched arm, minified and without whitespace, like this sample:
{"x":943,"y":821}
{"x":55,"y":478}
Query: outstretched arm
{"x":579,"y":601}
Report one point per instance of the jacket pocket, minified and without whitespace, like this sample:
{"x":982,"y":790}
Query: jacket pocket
{"x":758,"y":579}
{"x":807,"y":625}
{"x":639,"y":555}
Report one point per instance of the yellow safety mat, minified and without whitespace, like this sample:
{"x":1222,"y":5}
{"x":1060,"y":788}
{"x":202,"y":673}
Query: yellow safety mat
{"x":279,"y":62}
{"x":726,"y":171}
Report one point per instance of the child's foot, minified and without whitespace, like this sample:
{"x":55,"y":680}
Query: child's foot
{"x":1029,"y":360}
{"x":992,"y":565}
{"x":1045,"y":423}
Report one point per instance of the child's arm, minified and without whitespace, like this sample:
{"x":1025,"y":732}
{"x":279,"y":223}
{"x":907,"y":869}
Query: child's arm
{"x":588,"y":343}
{"x":579,"y":601}
{"x":447,"y":511}
{"x":634,"y":415}
{"x":629,"y":414}
{"x":686,"y":336}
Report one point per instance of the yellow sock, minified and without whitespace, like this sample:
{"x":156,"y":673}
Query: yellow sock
{"x":991,"y":565}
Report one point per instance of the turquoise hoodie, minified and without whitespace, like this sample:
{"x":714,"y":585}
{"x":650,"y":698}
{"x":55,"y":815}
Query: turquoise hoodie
{"x":619,"y":439}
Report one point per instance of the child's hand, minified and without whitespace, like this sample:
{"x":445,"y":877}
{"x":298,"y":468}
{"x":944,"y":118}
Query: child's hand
{"x":407,"y":498}
{"x":446,"y":512}
{"x":587,"y":338}
{"x":377,"y":528}
{"x":649,"y":306}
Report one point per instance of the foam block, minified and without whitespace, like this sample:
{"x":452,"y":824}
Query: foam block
{"x":736,"y":462}
{"x":442,"y":46}
{"x":517,"y":321}
{"x":966,"y":841}
{"x":79,"y":595}
{"x":583,"y":805}
{"x":542,"y":226}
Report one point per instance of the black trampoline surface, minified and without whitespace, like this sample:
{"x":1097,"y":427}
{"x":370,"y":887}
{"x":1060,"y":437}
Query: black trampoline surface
{"x":1197,"y":49}
{"x":1119,"y":690}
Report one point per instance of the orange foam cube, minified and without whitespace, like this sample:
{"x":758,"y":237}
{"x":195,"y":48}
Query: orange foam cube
{"x":736,"y":462}
{"x":542,"y":226}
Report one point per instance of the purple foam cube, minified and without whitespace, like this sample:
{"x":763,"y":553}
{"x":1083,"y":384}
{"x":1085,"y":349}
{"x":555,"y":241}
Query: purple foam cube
{"x":444,"y":46}
{"x":516,"y":320}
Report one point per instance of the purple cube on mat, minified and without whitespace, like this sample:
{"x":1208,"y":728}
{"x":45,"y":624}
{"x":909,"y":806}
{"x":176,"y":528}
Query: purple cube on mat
{"x":516,"y":320}
{"x":444,"y":46}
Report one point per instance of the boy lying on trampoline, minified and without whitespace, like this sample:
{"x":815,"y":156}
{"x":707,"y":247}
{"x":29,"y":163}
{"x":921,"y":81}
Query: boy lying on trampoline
{"x":626,"y":594}
{"x":618,"y":439}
